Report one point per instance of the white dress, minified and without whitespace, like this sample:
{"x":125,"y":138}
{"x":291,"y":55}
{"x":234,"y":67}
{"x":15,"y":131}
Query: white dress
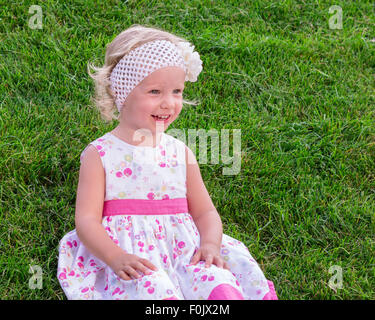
{"x":146,"y":214}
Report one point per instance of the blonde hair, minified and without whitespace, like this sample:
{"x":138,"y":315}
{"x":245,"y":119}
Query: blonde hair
{"x":131,"y":38}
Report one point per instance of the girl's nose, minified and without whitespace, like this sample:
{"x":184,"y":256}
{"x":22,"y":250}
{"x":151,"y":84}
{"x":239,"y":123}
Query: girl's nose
{"x":167,"y":102}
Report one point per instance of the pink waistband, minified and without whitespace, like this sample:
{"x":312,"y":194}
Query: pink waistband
{"x":144,"y":207}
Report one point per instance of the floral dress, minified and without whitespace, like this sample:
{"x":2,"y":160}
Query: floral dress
{"x":145,"y":212}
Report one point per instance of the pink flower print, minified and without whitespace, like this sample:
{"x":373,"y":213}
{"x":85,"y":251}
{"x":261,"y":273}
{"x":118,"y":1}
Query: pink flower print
{"x":71,"y":273}
{"x":85,"y":290}
{"x":69,"y":244}
{"x":75,"y":243}
{"x":147,"y":284}
{"x":151,"y":247}
{"x":62,"y":276}
{"x":237,"y":283}
{"x":165,"y":197}
{"x":151,"y":196}
{"x":101,"y":153}
{"x":204,"y":277}
{"x":162,"y":164}
{"x":160,"y":228}
{"x":211,"y":278}
{"x":196,"y":269}
{"x":116,"y":291}
{"x":162,"y":152}
{"x":80,"y":265}
{"x":140,"y":244}
{"x":80,"y":258}
{"x":128,"y":172}
{"x":118,"y":174}
{"x":181,"y":244}
{"x":150,"y":290}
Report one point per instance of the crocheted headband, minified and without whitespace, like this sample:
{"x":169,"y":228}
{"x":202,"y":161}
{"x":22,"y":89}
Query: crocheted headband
{"x":147,"y":58}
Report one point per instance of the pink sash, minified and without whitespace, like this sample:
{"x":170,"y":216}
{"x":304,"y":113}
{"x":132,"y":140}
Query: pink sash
{"x":144,"y":207}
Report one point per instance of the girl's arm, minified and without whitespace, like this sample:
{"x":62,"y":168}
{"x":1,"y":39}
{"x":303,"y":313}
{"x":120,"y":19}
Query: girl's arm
{"x":204,"y":214}
{"x":88,"y":220}
{"x":89,"y":208}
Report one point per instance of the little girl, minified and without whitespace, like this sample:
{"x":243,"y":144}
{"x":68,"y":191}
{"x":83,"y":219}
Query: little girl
{"x":146,"y":227}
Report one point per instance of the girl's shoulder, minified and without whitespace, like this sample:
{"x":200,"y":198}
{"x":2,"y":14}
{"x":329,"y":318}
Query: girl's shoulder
{"x":99,"y":144}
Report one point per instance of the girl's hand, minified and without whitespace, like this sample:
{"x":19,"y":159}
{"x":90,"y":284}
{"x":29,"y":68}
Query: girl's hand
{"x":211,"y":254}
{"x":126,"y":266}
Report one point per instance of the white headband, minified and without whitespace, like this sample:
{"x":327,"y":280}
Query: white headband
{"x":145,"y":59}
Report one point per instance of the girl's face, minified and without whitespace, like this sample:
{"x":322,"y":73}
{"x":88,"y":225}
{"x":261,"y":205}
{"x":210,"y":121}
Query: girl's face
{"x":159,"y":94}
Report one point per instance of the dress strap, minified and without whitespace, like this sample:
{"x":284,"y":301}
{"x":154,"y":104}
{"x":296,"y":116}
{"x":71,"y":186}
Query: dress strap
{"x":144,"y":207}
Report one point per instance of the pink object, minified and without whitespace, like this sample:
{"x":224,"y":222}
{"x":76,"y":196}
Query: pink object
{"x":62,"y":276}
{"x":225,"y":292}
{"x":271,"y":295}
{"x":144,"y":207}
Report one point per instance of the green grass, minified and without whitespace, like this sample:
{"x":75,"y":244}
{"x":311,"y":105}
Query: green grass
{"x":301,"y":93}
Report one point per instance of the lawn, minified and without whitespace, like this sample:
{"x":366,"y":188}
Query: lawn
{"x":301,"y":93}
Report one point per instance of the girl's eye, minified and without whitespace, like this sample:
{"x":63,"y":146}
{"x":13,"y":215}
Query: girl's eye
{"x":157,"y":91}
